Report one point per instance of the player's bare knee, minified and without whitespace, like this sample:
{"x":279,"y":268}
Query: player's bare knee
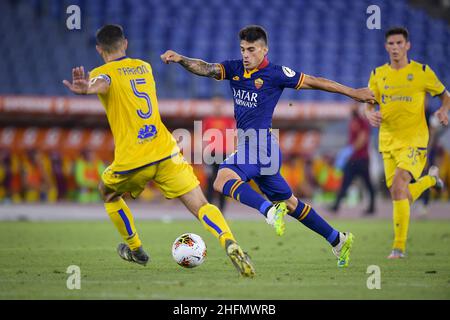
{"x":223,"y":177}
{"x":218,"y":185}
{"x":398,"y":191}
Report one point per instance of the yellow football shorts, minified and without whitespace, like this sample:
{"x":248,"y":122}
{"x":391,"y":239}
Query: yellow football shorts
{"x":173,"y":176}
{"x":411,"y":159}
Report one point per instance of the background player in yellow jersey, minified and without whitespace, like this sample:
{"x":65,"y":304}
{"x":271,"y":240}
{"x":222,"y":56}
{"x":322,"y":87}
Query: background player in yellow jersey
{"x":144,"y":149}
{"x":400,"y":88}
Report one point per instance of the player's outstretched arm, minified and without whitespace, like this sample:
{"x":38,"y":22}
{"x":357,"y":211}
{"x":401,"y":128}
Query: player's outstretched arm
{"x":81,"y":85}
{"x":442,"y":113}
{"x":196,"y":66}
{"x":361,"y":95}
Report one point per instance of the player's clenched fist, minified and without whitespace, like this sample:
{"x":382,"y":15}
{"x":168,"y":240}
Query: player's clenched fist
{"x":170,"y":56}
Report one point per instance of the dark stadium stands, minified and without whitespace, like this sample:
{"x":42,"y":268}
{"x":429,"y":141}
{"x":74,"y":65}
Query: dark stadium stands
{"x":41,"y":50}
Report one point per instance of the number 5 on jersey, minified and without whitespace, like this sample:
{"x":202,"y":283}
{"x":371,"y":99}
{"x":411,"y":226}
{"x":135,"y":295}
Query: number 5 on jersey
{"x":142,"y":95}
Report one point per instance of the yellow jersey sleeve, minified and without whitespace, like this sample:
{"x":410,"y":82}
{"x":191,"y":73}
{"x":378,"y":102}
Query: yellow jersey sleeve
{"x":99,"y":73}
{"x":373,"y":85}
{"x":94,"y":73}
{"x":432,"y":84}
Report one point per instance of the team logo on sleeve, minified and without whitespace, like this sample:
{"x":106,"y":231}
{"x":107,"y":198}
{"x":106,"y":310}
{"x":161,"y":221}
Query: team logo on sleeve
{"x":236,"y":78}
{"x":288,"y":72}
{"x":258,"y":83}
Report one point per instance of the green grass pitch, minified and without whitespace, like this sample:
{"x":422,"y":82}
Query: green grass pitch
{"x":34,"y":257}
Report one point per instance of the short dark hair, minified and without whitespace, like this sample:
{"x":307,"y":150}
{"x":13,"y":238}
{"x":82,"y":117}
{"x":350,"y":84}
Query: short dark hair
{"x":109,"y":37}
{"x":397,"y":30}
{"x":253,"y":33}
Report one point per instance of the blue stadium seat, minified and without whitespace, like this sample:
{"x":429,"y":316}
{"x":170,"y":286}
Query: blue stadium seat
{"x":311,"y":36}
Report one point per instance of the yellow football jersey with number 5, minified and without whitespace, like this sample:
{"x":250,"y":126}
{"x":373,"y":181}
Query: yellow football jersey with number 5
{"x":131,"y":107}
{"x":401,"y":96}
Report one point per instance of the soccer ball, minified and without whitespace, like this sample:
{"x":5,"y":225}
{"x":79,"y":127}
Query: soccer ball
{"x":189,"y":250}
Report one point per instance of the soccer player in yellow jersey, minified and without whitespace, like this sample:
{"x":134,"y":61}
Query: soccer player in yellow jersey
{"x":144,"y":149}
{"x":400,"y":88}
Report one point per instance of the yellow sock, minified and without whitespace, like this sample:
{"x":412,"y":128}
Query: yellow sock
{"x":401,"y":223}
{"x":420,"y":186}
{"x":213,"y":220}
{"x":122,"y":218}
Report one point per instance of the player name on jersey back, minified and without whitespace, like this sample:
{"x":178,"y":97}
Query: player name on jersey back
{"x":125,"y":71}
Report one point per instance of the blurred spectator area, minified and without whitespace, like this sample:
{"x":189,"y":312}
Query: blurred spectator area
{"x":49,"y":160}
{"x":321,"y":37}
{"x":65,"y":164}
{"x":436,"y":8}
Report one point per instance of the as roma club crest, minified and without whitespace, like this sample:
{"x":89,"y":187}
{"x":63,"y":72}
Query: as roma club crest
{"x":258,"y":83}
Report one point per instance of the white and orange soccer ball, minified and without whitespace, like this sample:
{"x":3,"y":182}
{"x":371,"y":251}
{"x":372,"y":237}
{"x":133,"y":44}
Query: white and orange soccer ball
{"x":189,"y":250}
